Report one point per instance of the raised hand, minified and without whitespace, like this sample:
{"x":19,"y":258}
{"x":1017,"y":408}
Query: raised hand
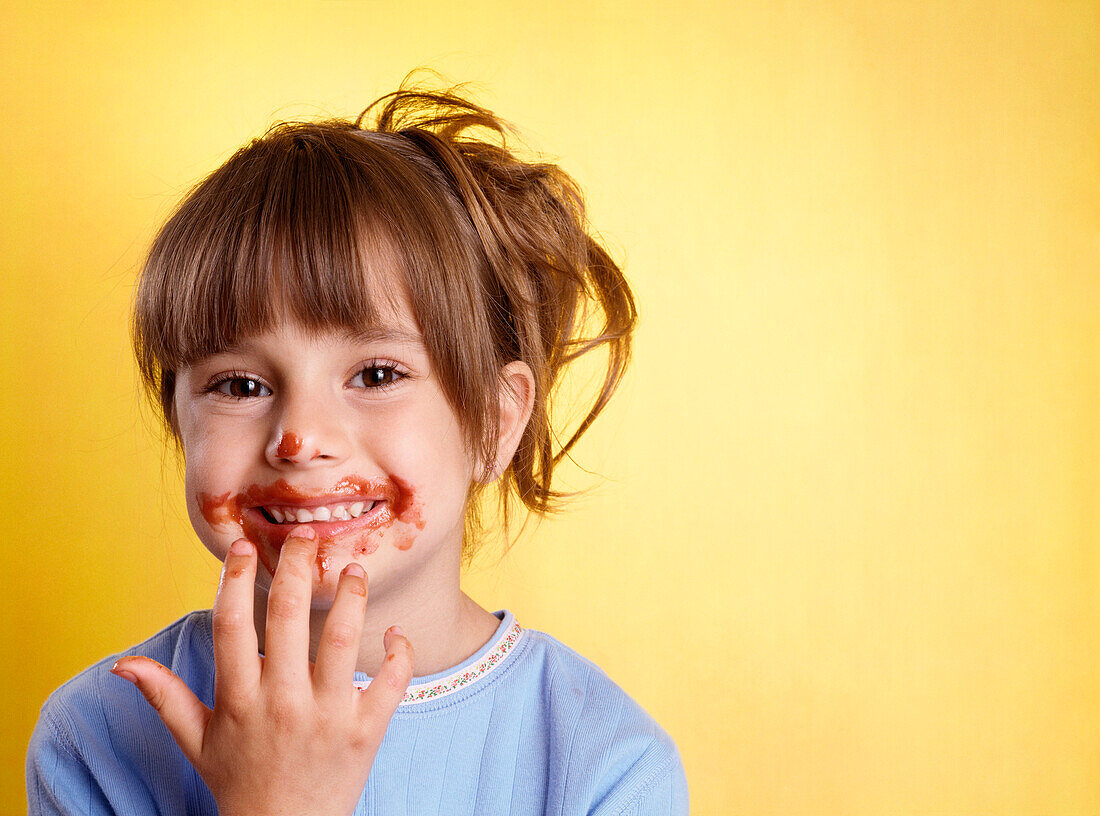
{"x":285,"y":736}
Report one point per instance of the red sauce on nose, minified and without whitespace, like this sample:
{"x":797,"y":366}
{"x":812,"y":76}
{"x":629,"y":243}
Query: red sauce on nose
{"x":289,"y":444}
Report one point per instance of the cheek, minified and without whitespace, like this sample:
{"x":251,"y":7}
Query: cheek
{"x":424,"y":454}
{"x":212,"y":516}
{"x":209,"y":486}
{"x":425,"y":450}
{"x":204,"y":470}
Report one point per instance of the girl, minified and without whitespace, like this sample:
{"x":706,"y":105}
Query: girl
{"x":351,"y":332}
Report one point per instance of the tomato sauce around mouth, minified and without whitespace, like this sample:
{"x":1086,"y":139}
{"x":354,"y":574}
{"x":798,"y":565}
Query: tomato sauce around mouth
{"x":399,"y":506}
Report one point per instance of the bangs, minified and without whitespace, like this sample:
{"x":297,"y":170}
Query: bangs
{"x":314,"y":222}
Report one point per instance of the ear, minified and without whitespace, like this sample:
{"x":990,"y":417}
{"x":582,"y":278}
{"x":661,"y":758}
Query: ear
{"x":517,"y":398}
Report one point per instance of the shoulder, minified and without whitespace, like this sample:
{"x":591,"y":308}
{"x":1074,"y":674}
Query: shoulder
{"x":95,"y":731}
{"x":601,"y":738}
{"x":185,"y":646}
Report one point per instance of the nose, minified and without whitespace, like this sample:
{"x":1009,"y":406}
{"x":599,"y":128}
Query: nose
{"x":306,"y":437}
{"x":289,"y":446}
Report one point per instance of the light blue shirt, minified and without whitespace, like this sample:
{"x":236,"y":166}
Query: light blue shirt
{"x":525,"y":726}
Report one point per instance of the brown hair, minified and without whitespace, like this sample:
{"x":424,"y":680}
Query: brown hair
{"x":494,"y":251}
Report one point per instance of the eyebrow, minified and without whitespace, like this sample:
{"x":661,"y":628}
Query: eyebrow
{"x":386,"y":334}
{"x":371,"y":334}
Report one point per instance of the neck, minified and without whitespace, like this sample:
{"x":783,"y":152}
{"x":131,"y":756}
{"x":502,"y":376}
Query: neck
{"x":444,"y":625}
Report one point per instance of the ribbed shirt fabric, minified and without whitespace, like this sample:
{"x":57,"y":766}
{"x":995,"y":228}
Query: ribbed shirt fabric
{"x":525,"y":726}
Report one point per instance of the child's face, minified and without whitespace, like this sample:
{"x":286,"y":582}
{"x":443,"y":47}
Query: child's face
{"x":350,"y":434}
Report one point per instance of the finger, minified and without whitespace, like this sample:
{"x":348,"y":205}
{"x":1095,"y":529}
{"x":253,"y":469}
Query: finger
{"x":286,"y":643}
{"x":236,"y":652}
{"x":379,"y":700}
{"x":181,"y":711}
{"x":341,"y":636}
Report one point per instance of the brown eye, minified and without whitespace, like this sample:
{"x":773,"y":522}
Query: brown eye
{"x":242,"y":388}
{"x":378,"y":376}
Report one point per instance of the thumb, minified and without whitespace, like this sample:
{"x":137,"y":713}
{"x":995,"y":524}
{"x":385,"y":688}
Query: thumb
{"x":182,"y":712}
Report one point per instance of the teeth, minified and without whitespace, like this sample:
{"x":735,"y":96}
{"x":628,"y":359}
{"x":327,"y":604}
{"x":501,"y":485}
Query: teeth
{"x":335,"y":512}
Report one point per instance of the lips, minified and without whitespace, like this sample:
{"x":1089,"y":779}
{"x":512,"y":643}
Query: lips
{"x":267,"y":513}
{"x":351,"y":505}
{"x":272,"y":510}
{"x":346,"y":491}
{"x":258,"y":524}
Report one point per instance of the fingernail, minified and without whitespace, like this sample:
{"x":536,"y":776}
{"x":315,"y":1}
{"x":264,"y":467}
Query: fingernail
{"x":355,"y":569}
{"x":242,"y":546}
{"x":303,"y":531}
{"x":125,"y":675}
{"x":388,"y":636}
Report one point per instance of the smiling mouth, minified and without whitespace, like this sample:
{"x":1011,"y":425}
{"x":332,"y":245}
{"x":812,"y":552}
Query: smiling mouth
{"x":339,"y":511}
{"x":355,"y":513}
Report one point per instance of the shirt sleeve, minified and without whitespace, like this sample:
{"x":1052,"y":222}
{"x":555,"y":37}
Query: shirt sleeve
{"x":58,"y":781}
{"x":656,"y":786}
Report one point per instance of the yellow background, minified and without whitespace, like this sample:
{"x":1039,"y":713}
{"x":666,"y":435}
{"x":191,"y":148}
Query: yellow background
{"x":846,"y":544}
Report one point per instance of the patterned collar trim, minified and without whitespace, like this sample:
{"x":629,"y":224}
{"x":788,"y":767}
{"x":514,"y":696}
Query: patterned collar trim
{"x":464,"y":676}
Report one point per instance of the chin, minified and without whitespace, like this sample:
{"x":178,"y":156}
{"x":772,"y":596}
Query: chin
{"x":323,"y":596}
